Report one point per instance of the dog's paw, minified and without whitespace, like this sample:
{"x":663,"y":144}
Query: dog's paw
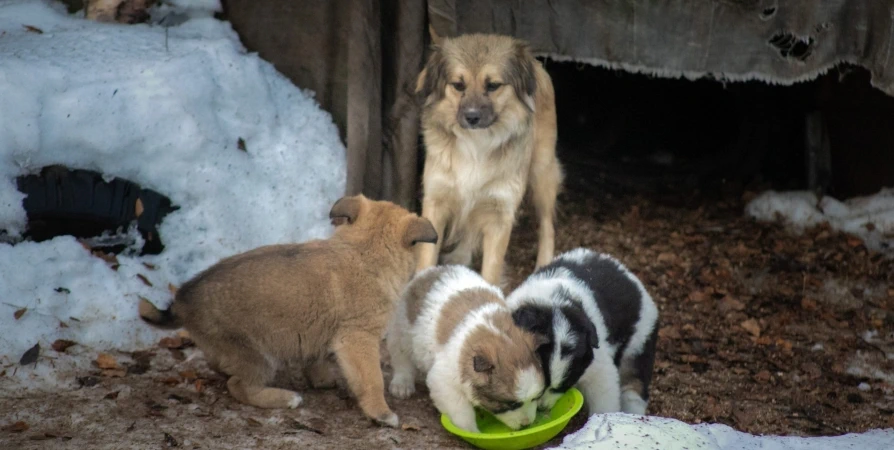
{"x":295,"y":401}
{"x":469,"y":425}
{"x":402,"y":386}
{"x":390,"y":419}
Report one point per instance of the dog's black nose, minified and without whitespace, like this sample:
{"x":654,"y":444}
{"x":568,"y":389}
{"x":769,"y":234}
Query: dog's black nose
{"x":473,"y":116}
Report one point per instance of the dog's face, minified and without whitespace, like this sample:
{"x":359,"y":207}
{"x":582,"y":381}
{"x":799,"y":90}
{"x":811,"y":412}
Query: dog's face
{"x":502,"y":370}
{"x":572,"y":339}
{"x":477,"y":82}
{"x":385,"y":222}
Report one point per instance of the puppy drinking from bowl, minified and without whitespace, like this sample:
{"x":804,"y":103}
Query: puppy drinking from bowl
{"x":602,"y":326}
{"x":455,"y":328}
{"x":252,"y":312}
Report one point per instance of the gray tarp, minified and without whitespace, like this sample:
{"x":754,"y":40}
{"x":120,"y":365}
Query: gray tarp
{"x":776,"y":41}
{"x":362,"y":56}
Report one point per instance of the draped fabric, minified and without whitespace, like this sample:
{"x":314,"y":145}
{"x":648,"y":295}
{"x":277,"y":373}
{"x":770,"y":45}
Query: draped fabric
{"x":361,"y":57}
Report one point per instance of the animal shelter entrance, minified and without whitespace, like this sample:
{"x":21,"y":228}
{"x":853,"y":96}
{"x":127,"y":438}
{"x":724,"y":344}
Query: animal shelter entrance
{"x":827,"y":135}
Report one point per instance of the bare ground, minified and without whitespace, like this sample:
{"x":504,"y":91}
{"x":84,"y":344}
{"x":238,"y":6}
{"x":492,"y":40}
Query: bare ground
{"x":763,"y":330}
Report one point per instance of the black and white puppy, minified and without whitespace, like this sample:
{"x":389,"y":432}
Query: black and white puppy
{"x":602,"y":325}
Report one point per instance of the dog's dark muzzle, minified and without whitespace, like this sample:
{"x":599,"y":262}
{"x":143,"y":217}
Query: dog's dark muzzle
{"x":475,"y":117}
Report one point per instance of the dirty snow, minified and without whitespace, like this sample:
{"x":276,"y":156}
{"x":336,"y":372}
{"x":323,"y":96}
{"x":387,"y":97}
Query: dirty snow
{"x":871,"y":218}
{"x":614,"y":431}
{"x":164,"y":108}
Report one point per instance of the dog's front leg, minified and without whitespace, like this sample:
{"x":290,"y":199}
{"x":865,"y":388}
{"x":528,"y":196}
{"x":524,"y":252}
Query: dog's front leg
{"x":358,"y":357}
{"x":495,"y":241}
{"x":427,"y":254}
{"x":450,"y":400}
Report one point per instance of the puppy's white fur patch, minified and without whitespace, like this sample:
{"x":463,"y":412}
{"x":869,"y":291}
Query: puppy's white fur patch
{"x":415,"y":347}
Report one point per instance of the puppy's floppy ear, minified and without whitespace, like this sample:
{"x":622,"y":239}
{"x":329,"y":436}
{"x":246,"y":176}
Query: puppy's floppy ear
{"x":520,"y":74}
{"x":537,"y":320}
{"x":346,"y":209}
{"x":419,"y":229}
{"x":481,"y":364}
{"x":433,"y":78}
{"x":581,"y":321}
{"x":592,"y":337}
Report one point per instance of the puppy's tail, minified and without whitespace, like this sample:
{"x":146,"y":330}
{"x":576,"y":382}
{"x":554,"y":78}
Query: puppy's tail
{"x":157,"y":317}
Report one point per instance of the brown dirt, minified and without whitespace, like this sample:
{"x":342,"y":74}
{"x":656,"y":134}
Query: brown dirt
{"x":761,"y":329}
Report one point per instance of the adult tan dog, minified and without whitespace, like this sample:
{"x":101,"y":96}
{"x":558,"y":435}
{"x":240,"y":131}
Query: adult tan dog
{"x":251,"y":312}
{"x":489,"y":126}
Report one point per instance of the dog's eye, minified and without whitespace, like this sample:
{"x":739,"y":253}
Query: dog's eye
{"x":566,"y":350}
{"x":459,"y":86}
{"x":492,"y":86}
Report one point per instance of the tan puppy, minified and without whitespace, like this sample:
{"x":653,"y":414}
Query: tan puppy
{"x":251,"y":312}
{"x":489,"y":125}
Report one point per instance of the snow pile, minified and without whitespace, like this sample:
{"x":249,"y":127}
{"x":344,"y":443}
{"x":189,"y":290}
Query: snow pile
{"x":164,"y":108}
{"x":871,"y":218}
{"x":615,"y":431}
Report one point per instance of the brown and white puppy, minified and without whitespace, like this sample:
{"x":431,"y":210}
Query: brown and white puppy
{"x":454,"y":327}
{"x":489,"y":126}
{"x":252,"y":312}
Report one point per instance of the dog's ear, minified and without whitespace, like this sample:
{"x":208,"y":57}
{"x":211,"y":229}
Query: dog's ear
{"x":520,"y":74}
{"x":481,"y":364}
{"x":419,"y":229}
{"x":535,"y":319}
{"x":541,"y":340}
{"x":433,"y":78}
{"x":581,"y":321}
{"x":346,"y":210}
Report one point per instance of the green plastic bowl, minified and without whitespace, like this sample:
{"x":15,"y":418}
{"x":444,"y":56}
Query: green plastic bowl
{"x":495,"y":435}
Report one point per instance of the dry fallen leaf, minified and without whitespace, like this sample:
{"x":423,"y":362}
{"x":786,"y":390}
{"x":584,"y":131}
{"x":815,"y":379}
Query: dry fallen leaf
{"x":114,"y":373}
{"x":189,"y":375}
{"x":763,"y":376}
{"x":17,"y":427}
{"x":170,"y":441}
{"x":106,"y":361}
{"x":33,"y":29}
{"x":240,"y":144}
{"x":667,"y":257}
{"x":698,"y":296}
{"x":808,"y":304}
{"x":171,"y":342}
{"x":60,"y":345}
{"x":752,"y":327}
{"x":410,"y":427}
{"x":144,"y":279}
{"x":170,"y":381}
{"x":200,"y":385}
{"x":728,"y":303}
{"x":30,"y":355}
{"x":669,"y":332}
{"x":110,"y":258}
{"x":784,"y":345}
{"x":253,"y":422}
{"x":19,"y":313}
{"x":138,"y":208}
